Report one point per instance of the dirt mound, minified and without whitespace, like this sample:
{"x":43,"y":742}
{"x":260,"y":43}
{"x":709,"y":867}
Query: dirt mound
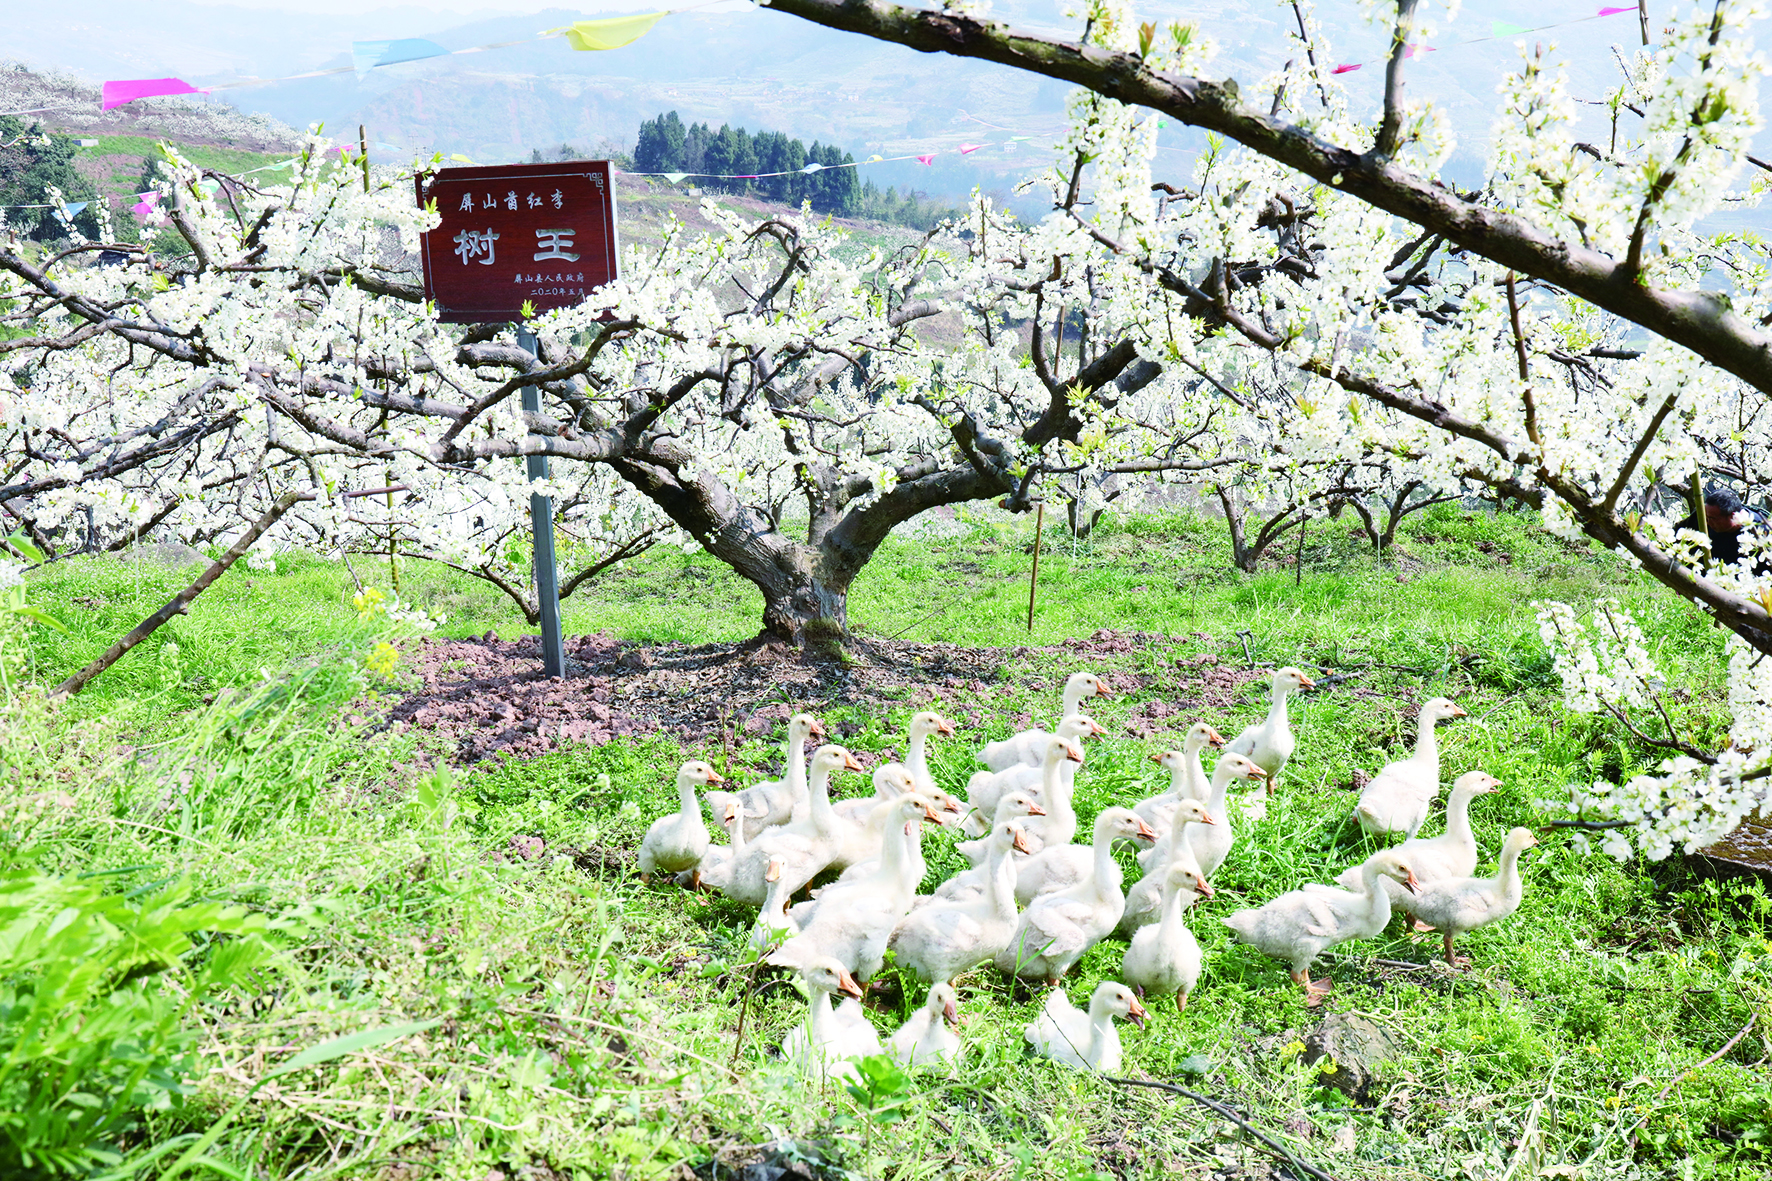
{"x":490,"y":698}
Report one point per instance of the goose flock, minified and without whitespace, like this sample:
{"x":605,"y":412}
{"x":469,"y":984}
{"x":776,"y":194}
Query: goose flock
{"x":1035,"y":900}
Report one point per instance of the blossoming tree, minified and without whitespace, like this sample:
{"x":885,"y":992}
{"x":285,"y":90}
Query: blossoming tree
{"x":1569,"y":336}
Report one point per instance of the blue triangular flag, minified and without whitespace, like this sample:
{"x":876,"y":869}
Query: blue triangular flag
{"x":366,"y":55}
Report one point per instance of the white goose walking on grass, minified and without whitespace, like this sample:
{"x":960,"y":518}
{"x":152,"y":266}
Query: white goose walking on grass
{"x":1029,"y":745}
{"x":1456,"y":905}
{"x":985,"y":788}
{"x":1056,"y":929}
{"x":1270,"y":742}
{"x":1299,"y":925}
{"x":1164,"y":957}
{"x":1452,"y":854}
{"x":924,"y":726}
{"x":715,"y":870}
{"x":776,"y":801}
{"x":1058,"y":825}
{"x":678,"y":841}
{"x":1085,"y":1041}
{"x":1187,"y":777}
{"x":826,"y":1044}
{"x":929,"y":1037}
{"x":1397,"y":798}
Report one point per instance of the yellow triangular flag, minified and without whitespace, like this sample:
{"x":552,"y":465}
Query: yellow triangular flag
{"x":612,"y":33}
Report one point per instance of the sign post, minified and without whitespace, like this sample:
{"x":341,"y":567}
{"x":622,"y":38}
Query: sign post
{"x":537,"y":234}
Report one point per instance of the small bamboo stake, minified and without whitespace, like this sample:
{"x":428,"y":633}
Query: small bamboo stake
{"x":363,"y":145}
{"x":1643,"y":18}
{"x":1034,"y":574}
{"x":1697,"y":498}
{"x":1304,"y":517}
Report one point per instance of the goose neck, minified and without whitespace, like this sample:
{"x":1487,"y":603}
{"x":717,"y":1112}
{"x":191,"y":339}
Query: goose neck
{"x":1000,"y":886}
{"x":1508,"y":875}
{"x":1458,"y":818}
{"x":1427,"y":741}
{"x":916,"y":759}
{"x":821,"y":1018}
{"x":687,"y":800}
{"x":824,"y":819}
{"x":1107,"y":870}
{"x":1073,"y":699}
{"x":1377,"y":897}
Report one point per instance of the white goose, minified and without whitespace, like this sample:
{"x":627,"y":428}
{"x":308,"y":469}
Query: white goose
{"x":804,"y":849}
{"x":776,"y":801}
{"x":924,"y":726}
{"x":969,"y":884}
{"x":1452,"y":854}
{"x":1211,"y":845}
{"x":1397,"y":798}
{"x":1456,"y":905}
{"x":679,"y":841}
{"x":940,"y":941}
{"x":851,"y":922}
{"x":774,"y":925}
{"x":1029,"y":745}
{"x":928,"y":1038}
{"x":1085,"y":1041}
{"x":1164,"y":957}
{"x":1296,"y":926}
{"x":827,"y":1043}
{"x":717,"y":862}
{"x":1056,"y":929}
{"x":985,"y":788}
{"x":1058,"y":825}
{"x":1187,"y":778}
{"x":1270,"y":742}
{"x":1144,"y":901}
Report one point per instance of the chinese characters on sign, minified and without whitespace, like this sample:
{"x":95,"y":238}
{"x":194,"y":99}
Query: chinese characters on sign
{"x":509,"y":233}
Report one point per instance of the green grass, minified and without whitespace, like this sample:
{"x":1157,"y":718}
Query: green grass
{"x":587,"y":1021}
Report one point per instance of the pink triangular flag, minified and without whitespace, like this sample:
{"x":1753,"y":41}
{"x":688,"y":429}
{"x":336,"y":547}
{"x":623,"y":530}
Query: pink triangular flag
{"x":929,"y":159}
{"x":118,"y":93}
{"x":968,"y":149}
{"x":1346,"y":69}
{"x":1616,"y":11}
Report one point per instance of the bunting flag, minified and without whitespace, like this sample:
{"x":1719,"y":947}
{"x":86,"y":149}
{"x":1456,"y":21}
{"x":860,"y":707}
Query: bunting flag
{"x":366,"y":55}
{"x":812,"y":168}
{"x":929,"y":159}
{"x":148,"y":206}
{"x":71,"y":210}
{"x":1497,"y":31}
{"x":115,"y":94}
{"x":968,"y":149}
{"x":612,"y":33}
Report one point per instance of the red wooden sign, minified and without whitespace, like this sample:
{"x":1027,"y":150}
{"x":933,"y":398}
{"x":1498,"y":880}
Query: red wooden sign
{"x":544,"y":233}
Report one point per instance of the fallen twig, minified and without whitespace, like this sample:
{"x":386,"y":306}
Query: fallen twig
{"x":1685,"y":1074}
{"x":1300,"y":1168}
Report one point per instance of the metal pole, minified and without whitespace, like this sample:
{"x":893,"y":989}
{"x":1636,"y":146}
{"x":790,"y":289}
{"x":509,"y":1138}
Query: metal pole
{"x":1034,"y":574}
{"x":541,"y":517}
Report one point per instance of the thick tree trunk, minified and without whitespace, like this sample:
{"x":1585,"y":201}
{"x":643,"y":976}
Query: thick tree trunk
{"x":810,"y":612}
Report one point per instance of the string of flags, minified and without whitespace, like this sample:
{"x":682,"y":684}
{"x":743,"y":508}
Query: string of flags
{"x":603,"y":34}
{"x":1498,"y":31}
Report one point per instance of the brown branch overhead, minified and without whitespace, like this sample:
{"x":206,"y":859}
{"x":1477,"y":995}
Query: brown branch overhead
{"x":1699,"y":320}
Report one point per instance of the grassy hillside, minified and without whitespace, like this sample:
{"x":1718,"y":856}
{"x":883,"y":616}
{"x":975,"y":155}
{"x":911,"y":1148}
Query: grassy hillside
{"x":586,"y":1026}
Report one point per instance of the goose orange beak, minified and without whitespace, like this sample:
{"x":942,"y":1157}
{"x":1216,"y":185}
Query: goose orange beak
{"x":1073,"y":755}
{"x":950,"y":1012}
{"x":1255,"y":773}
{"x":1458,"y":711}
{"x":1409,"y":882}
{"x":817,"y":730}
{"x":1019,"y":842}
{"x":945,"y":728}
{"x":1146,"y":832}
{"x":1201,"y":887}
{"x":715,"y":777}
{"x":929,"y":814}
{"x":1305,"y":682}
{"x":849,"y":763}
{"x":1035,"y":809}
{"x":1159,"y":756}
{"x":773,"y":873}
{"x":1206,"y":818}
{"x":1101,"y":689}
{"x":1136,"y":1014}
{"x":848,"y":987}
{"x":1213,"y":737}
{"x":1096,"y":730}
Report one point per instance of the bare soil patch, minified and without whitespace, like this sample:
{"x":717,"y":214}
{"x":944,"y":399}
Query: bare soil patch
{"x":487,"y":697}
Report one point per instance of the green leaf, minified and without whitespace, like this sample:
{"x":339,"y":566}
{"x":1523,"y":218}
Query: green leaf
{"x":35,"y":615}
{"x":351,"y":1043}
